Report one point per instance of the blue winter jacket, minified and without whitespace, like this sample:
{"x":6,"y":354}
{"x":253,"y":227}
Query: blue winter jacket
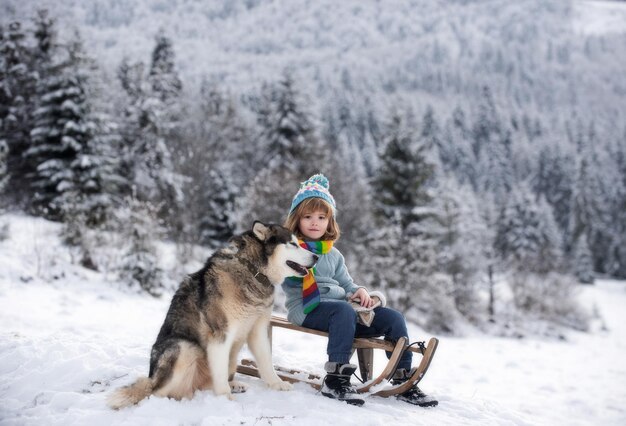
{"x":333,"y":281}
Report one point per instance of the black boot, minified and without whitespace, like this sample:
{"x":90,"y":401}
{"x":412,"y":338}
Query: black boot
{"x":336,"y":384}
{"x":414,"y":395}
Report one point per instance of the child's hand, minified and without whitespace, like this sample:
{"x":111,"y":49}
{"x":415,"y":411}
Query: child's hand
{"x":365,"y":299}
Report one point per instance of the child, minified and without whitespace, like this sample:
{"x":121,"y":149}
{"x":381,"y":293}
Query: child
{"x":321,"y":300}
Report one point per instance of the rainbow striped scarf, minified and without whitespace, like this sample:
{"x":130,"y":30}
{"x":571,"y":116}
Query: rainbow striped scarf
{"x":310,"y":292}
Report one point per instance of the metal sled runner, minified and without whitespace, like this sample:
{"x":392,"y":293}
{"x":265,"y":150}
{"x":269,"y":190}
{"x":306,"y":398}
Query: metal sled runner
{"x":365,"y":353}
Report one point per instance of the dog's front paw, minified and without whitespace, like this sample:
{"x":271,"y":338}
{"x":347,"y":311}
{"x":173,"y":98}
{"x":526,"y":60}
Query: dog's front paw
{"x":280,"y":385}
{"x":224,"y":392}
{"x":238,"y":387}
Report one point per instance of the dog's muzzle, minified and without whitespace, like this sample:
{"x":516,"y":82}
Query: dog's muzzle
{"x":301,"y":270}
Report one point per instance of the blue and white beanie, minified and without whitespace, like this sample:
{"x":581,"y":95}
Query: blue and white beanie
{"x":315,"y":186}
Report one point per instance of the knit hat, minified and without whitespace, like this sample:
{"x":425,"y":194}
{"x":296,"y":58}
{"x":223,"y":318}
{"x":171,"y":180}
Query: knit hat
{"x":315,"y":186}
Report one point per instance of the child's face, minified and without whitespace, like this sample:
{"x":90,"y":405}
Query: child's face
{"x":313,"y":225}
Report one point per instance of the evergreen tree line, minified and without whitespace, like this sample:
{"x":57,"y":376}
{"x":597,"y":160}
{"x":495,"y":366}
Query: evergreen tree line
{"x":474,"y":215}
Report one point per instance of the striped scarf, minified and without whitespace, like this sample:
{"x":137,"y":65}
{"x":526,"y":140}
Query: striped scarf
{"x":310,"y":292}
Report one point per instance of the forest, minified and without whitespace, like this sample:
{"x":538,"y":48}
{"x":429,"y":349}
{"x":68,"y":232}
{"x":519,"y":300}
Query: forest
{"x":479,"y":171}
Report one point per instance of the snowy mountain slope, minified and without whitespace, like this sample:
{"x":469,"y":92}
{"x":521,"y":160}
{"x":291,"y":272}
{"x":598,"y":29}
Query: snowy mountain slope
{"x":66,"y":342}
{"x":361,"y":45}
{"x":599,"y":17}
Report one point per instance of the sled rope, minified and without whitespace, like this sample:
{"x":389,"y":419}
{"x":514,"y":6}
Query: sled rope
{"x":420,"y":345}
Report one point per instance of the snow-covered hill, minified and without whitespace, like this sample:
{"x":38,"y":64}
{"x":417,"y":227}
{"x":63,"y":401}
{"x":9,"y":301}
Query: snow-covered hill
{"x":600,"y":17}
{"x":68,"y":336}
{"x":362,"y":46}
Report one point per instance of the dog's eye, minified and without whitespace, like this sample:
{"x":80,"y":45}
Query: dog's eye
{"x":293,"y":244}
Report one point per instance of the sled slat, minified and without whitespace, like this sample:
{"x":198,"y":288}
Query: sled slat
{"x":249,"y":368}
{"x":358,"y":343}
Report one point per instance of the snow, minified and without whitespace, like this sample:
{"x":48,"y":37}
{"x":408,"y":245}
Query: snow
{"x":599,"y":17}
{"x":68,"y":336}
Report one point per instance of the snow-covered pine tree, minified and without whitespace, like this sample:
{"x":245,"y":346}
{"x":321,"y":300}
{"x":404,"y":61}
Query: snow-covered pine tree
{"x":97,"y":179}
{"x":528,"y":238}
{"x":400,"y":183}
{"x":140,"y":264}
{"x":590,"y":206}
{"x":4,"y":173}
{"x":163,"y":77}
{"x":46,"y":38}
{"x":601,"y":184}
{"x":582,"y":261}
{"x":17,"y":88}
{"x":293,"y":152}
{"x":463,"y":251}
{"x":455,"y":150}
{"x":226,"y":135}
{"x":150,"y":127}
{"x":163,"y":111}
{"x":368,"y":128}
{"x":216,"y":161}
{"x":60,"y":132}
{"x":430,"y":131}
{"x":491,"y":144}
{"x":218,"y":224}
{"x":553,"y":178}
{"x":403,"y":248}
{"x":4,"y":178}
{"x":617,"y":254}
{"x":488,"y":212}
{"x":350,"y":184}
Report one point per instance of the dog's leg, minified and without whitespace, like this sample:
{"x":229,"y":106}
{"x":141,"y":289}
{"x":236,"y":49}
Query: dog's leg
{"x":217,"y":356}
{"x":235,"y":386}
{"x":259,"y":344}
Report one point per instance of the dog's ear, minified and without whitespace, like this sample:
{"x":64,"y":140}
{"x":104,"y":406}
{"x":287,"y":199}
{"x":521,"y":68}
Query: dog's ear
{"x":260,"y":230}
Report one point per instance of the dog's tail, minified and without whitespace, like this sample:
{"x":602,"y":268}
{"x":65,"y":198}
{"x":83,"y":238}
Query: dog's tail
{"x":131,"y":394}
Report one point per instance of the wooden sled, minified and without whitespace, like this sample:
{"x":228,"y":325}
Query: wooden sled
{"x":365,"y":354}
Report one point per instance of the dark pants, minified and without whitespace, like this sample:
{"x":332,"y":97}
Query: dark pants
{"x":340,"y":321}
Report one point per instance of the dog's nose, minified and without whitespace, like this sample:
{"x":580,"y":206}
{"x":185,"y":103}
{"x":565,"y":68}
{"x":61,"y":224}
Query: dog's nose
{"x":315,"y":258}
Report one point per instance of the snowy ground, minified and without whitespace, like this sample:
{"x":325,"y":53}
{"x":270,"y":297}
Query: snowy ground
{"x":66,"y":342}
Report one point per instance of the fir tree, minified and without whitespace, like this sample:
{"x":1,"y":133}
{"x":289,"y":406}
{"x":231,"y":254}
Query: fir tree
{"x":150,"y":129}
{"x":289,"y":134}
{"x":350,"y":184}
{"x":97,"y":179}
{"x":553,"y":178}
{"x":582,"y":261}
{"x":4,"y":174}
{"x":225,"y":135}
{"x":60,"y":133}
{"x":463,"y":250}
{"x":140,"y":266}
{"x":218,"y":224}
{"x":46,"y":39}
{"x":4,"y":178}
{"x":430,"y":133}
{"x":401,"y":181}
{"x":491,"y":144}
{"x":293,"y":153}
{"x":17,"y":89}
{"x":617,"y":253}
{"x":163,"y":77}
{"x":455,"y":150}
{"x":590,"y":208}
{"x":405,"y":244}
{"x":527,"y":235}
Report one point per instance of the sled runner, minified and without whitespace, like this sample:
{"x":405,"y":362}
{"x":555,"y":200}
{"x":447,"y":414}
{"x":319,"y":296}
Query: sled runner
{"x":365,"y":353}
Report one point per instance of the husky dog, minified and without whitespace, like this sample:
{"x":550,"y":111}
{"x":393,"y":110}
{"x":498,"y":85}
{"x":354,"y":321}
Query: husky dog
{"x":214,"y":312}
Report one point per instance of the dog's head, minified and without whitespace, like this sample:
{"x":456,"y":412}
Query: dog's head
{"x":285,"y":258}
